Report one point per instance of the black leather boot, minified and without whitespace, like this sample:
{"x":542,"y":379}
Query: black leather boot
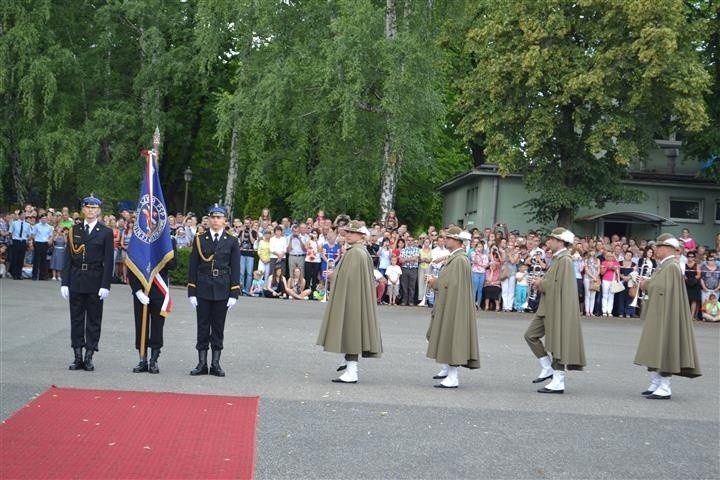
{"x":142,"y":366}
{"x":202,"y":367}
{"x":77,"y":364}
{"x":215,"y":368}
{"x":153,"y":366}
{"x":89,"y":367}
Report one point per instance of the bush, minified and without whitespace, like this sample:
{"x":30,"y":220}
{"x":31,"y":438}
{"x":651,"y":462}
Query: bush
{"x":179,"y":276}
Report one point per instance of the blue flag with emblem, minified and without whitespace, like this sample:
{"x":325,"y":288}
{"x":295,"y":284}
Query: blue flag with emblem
{"x":150,"y":246}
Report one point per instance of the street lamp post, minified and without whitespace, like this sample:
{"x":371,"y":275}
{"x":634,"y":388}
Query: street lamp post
{"x":187,"y":174}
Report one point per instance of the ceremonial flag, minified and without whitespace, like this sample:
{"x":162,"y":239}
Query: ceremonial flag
{"x":150,"y":247}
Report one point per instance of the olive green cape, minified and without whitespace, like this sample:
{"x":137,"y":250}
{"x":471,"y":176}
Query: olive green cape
{"x":561,"y":311}
{"x":349,"y":323}
{"x":667,"y":342}
{"x":452,"y":335}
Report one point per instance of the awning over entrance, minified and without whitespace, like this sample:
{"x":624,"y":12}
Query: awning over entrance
{"x":629,"y":217}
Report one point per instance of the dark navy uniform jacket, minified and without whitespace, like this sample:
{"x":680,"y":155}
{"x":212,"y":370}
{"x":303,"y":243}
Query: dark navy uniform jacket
{"x":214,"y":271}
{"x":89,"y":259}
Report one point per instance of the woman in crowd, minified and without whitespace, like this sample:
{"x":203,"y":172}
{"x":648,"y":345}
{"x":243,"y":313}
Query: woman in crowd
{"x":623,"y":299}
{"x":491,"y":288}
{"x":277,"y":285}
{"x":692,"y":284}
{"x":424,"y":269}
{"x":510,"y":257}
{"x":312,"y":261}
{"x":609,"y":270}
{"x":59,"y":242}
{"x":296,"y":286}
{"x":711,"y":309}
{"x":181,"y":238}
{"x":578,"y":264}
{"x":591,"y":280}
{"x":710,"y":276}
{"x":478,"y":265}
{"x":384,"y":255}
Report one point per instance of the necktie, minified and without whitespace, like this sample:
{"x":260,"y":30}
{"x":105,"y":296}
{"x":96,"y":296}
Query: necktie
{"x":215,"y":239}
{"x":87,"y":228}
{"x":22,"y":224}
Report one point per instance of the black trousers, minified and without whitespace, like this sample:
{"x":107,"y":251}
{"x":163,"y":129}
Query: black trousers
{"x":312,"y":270}
{"x":211,"y":323}
{"x":17,"y":257}
{"x":40,"y":263}
{"x":85,"y":320}
{"x":154,"y":324}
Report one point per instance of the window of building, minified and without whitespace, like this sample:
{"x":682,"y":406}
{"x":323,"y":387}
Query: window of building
{"x":471,"y":196}
{"x":686,"y":210}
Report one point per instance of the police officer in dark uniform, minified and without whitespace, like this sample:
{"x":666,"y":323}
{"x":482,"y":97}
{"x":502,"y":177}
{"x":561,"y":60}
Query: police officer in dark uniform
{"x":156,"y":318}
{"x":213,"y":287}
{"x":86,"y":281}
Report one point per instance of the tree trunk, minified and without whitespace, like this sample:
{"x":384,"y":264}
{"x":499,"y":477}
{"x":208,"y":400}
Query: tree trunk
{"x":565,"y":217}
{"x":232,"y":174}
{"x":18,"y":180}
{"x":391,"y":157}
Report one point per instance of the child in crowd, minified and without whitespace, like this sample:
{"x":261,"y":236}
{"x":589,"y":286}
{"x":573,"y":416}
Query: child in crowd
{"x":711,"y":309}
{"x":258,"y":284}
{"x":319,"y":293}
{"x":521,"y":288}
{"x":393,"y":273}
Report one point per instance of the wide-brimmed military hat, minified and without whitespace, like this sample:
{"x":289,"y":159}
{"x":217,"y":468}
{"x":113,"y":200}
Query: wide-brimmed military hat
{"x":667,"y":240}
{"x":91,"y":201}
{"x":355,"y":226}
{"x":563,"y":234}
{"x":457,"y":233}
{"x":217,"y":211}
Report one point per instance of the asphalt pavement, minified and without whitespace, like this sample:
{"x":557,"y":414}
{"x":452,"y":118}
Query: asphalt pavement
{"x":393,"y":423}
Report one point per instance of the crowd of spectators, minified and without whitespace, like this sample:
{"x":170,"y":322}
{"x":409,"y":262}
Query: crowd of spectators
{"x":290,"y":259}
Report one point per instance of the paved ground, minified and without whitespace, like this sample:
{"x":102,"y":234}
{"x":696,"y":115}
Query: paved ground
{"x":392,"y":424}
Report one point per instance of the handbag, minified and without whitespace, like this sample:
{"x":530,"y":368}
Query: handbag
{"x":595,"y":285}
{"x":616,"y":286}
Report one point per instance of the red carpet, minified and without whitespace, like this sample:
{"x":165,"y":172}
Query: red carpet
{"x":69,"y":433}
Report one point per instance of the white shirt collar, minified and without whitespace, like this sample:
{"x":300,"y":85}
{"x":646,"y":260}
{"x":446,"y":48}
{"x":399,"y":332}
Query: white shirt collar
{"x":562,"y":249}
{"x":91,"y":226}
{"x":666,"y":259}
{"x":216,"y":232}
{"x":457,"y":249}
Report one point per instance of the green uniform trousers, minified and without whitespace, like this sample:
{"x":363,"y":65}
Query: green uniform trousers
{"x":533,"y":334}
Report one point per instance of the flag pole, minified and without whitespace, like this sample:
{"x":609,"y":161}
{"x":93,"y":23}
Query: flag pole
{"x":143,"y":339}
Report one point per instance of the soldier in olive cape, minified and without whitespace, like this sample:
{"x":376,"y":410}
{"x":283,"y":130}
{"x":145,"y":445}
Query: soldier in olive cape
{"x":667,"y":343}
{"x":452,"y":335}
{"x":557,"y":317}
{"x":349,"y":324}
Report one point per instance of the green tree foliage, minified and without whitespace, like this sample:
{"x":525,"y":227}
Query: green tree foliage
{"x":569,"y":93}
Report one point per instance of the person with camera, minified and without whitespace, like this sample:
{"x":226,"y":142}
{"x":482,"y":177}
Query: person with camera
{"x":247,"y":238}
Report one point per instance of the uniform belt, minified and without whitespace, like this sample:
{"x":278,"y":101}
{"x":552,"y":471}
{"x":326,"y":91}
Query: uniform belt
{"x":214,"y":272}
{"x":88,"y":266}
{"x":297,"y":255}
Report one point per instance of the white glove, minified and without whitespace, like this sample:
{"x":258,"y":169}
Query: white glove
{"x":103,"y":293}
{"x":193,"y":301}
{"x":231,"y":302}
{"x":64,"y":292}
{"x":144,"y":299}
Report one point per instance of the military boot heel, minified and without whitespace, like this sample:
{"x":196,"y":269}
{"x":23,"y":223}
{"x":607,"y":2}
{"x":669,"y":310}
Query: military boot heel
{"x":77,"y":364}
{"x":202,"y":366}
{"x":215,"y":368}
{"x":153,"y":366}
{"x":89,"y":367}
